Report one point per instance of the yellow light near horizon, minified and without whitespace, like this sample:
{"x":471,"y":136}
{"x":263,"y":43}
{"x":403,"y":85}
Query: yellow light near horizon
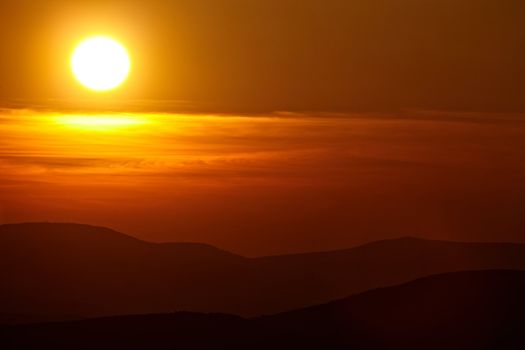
{"x":101,"y":122}
{"x":100,"y":63}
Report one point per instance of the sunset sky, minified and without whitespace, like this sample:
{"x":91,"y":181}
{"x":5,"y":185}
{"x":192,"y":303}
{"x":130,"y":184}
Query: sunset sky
{"x":266,"y":127}
{"x":268,"y":184}
{"x":274,"y":55}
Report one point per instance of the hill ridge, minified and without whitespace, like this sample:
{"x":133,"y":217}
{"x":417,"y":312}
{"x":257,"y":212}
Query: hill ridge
{"x":98,"y":277}
{"x":480,"y":310}
{"x":182,"y":244}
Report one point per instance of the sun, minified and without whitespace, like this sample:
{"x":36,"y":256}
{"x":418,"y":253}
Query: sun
{"x":100,"y":63}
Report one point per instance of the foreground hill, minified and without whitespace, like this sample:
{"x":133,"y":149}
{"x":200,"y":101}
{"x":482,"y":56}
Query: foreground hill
{"x":465,"y":310}
{"x":68,"y":271}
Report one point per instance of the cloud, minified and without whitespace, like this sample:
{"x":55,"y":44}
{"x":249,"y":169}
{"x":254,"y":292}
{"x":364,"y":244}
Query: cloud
{"x":270,"y":183}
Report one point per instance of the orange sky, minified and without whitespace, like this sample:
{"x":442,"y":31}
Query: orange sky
{"x":268,"y":184}
{"x":263,"y":56}
{"x":269,"y":126}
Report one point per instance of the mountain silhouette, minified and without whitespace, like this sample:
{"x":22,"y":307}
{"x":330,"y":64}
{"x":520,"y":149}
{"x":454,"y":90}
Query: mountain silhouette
{"x":462,"y":310}
{"x":67,"y":271}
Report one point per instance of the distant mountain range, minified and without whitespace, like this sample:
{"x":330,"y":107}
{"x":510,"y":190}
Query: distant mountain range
{"x":463,"y":310}
{"x":68,"y":271}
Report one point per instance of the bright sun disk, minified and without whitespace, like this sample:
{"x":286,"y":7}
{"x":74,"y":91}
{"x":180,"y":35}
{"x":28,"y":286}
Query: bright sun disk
{"x":100,"y":63}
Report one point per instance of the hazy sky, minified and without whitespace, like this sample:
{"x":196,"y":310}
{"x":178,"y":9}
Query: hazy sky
{"x":274,"y":184}
{"x":252,"y":55}
{"x":396,"y":117}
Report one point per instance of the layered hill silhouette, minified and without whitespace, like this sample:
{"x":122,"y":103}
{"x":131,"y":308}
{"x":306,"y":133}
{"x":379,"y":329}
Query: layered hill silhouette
{"x":68,"y":271}
{"x":463,"y":310}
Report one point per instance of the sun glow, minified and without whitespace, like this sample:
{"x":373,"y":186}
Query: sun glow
{"x":100,"y":63}
{"x":100,"y":122}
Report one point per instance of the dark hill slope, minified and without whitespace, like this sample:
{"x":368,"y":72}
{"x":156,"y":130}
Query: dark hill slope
{"x":54,"y":271}
{"x":465,"y":310}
